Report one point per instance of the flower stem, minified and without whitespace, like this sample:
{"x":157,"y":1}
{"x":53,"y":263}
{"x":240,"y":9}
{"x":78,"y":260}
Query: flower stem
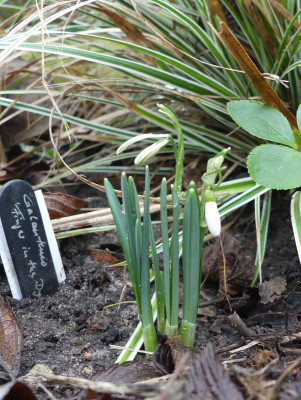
{"x":187,"y":331}
{"x":171,"y":330}
{"x":150,"y":338}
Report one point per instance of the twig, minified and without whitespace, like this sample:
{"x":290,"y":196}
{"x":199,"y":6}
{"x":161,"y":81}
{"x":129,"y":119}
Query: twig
{"x":49,"y":394}
{"x":282,"y":377}
{"x":236,"y":322}
{"x":137,"y":389}
{"x":243,"y":348}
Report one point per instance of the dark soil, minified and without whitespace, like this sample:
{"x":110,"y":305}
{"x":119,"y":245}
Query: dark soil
{"x":72,"y":330}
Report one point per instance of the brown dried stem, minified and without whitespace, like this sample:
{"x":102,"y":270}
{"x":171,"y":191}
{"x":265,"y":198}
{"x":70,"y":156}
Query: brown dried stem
{"x":265,"y":91}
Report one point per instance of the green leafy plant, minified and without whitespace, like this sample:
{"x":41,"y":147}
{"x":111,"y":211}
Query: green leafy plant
{"x":196,"y":217}
{"x":274,"y":165}
{"x":134,"y":238}
{"x":117,"y":59}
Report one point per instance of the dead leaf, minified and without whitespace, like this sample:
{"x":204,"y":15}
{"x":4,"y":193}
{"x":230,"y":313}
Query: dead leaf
{"x":162,"y":358}
{"x":257,"y":18}
{"x":11,"y":342}
{"x":216,"y":10}
{"x":281,"y":11}
{"x":170,"y":352}
{"x":20,"y":170}
{"x":272,"y":290}
{"x":130,"y":30}
{"x":259,"y":358}
{"x":16,"y":391}
{"x":103,"y":256}
{"x":264,"y":89}
{"x":208,"y":380}
{"x":128,"y":372}
{"x":239,"y":268}
{"x":62,"y":205}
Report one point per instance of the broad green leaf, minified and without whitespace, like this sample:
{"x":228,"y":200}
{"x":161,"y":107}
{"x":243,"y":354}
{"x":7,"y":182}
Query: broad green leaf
{"x":262,"y":121}
{"x":275,"y":166}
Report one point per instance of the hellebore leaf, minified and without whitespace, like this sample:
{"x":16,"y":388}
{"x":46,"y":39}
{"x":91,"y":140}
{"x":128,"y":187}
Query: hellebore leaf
{"x":262,"y":121}
{"x":275,"y":166}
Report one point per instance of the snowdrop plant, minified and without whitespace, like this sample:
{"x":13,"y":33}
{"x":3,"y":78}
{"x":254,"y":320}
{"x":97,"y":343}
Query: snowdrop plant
{"x":197,"y":216}
{"x":134,"y":234}
{"x":209,"y":212}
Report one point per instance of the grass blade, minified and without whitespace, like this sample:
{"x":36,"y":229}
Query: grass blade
{"x":262,"y":226}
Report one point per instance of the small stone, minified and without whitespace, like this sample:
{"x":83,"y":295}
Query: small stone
{"x":111,"y":336}
{"x":86,"y":371}
{"x":88,"y":356}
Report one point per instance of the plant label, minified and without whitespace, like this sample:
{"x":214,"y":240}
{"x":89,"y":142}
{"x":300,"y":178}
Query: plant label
{"x":28,"y":246}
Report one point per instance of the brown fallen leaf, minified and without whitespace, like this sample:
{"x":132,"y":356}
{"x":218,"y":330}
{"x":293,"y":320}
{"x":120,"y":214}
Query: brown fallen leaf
{"x":16,"y":391}
{"x":127,"y":372}
{"x":260,"y":358}
{"x":103,"y":256}
{"x":208,"y":380}
{"x":62,"y":205}
{"x":11,"y":342}
{"x":20,"y":170}
{"x":169,"y":354}
{"x":272,"y":290}
{"x":238,"y":269}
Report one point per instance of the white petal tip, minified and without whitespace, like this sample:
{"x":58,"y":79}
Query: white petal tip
{"x":212,"y":218}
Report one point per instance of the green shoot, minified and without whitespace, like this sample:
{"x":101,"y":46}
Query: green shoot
{"x":135,"y":241}
{"x":193,"y":237}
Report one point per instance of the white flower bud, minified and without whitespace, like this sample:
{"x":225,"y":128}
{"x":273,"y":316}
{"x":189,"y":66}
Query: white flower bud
{"x":212,"y":218}
{"x":150,"y":151}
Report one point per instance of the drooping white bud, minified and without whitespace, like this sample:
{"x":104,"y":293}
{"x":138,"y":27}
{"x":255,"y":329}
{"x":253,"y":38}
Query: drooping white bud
{"x":212,"y":217}
{"x":139,"y":138}
{"x":150,"y":151}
